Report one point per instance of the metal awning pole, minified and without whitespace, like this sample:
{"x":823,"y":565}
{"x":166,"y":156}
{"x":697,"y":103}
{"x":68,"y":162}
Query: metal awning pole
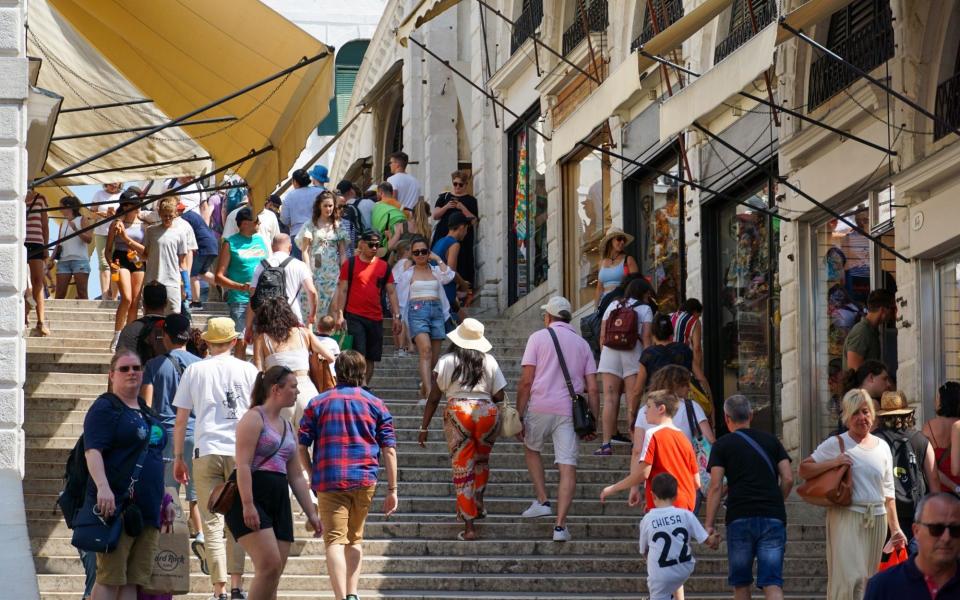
{"x":174,"y":122}
{"x":215,"y":188}
{"x":283,"y":187}
{"x":883,"y":86}
{"x":108,"y":105}
{"x":141,"y":166}
{"x":76,"y":136}
{"x":784,"y":181}
{"x":784,"y":109}
{"x":683,"y":181}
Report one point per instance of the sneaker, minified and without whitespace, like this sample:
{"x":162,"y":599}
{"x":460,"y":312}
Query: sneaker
{"x":561,"y":534}
{"x":604,"y":450}
{"x":619,"y":438}
{"x":401,"y":353}
{"x":537,"y":509}
{"x":352,"y":597}
{"x":238,"y":594}
{"x":220,"y":597}
{"x":197,"y":305}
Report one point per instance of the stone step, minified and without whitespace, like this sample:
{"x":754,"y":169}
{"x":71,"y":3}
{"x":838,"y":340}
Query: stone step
{"x":464,"y":582}
{"x":471,"y":595}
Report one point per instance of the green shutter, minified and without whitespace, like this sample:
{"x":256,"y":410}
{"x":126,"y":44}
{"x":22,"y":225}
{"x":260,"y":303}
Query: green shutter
{"x":346,"y":76}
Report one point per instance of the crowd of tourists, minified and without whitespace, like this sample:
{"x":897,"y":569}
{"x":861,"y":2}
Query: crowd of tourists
{"x":269,"y":404}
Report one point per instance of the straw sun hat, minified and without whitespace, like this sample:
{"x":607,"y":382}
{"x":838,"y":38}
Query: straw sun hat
{"x":613,"y":232}
{"x":220,"y":330}
{"x":893,"y":403}
{"x":469,"y":335}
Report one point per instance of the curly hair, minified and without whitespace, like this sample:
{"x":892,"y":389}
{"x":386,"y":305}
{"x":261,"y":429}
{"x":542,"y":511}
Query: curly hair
{"x":670,"y":378}
{"x":276,"y":319}
{"x":318,"y":211}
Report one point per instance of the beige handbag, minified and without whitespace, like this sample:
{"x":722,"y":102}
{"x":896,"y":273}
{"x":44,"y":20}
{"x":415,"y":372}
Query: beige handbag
{"x":510,"y":423}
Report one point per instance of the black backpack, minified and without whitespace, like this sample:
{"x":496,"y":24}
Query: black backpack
{"x":909,"y":483}
{"x":352,"y":213}
{"x":150,"y":340}
{"x":271,"y":284}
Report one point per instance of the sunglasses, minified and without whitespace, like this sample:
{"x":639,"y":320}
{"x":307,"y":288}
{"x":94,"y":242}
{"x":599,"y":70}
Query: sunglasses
{"x":373,"y":245}
{"x":423,"y":252}
{"x":458,"y":184}
{"x":619,"y":238}
{"x":937,"y":529}
{"x":128,"y":368}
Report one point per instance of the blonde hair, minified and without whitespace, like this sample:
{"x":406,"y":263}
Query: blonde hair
{"x":852,"y":401}
{"x":666,"y":399}
{"x":421,"y":219}
{"x":169,"y":203}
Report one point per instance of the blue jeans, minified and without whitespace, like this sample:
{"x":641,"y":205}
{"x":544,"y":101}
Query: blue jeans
{"x":762,"y":538}
{"x":426,"y":316}
{"x":89,"y":560}
{"x":168,"y":479}
{"x":238,"y":312}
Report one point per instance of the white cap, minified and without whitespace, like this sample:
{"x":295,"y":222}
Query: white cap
{"x":556,"y":306}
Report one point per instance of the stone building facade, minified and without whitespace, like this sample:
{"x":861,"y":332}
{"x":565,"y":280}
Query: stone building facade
{"x":782,"y":279}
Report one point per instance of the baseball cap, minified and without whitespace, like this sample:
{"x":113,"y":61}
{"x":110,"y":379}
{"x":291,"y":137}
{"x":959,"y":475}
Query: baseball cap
{"x":557,"y":306}
{"x":370,"y":235}
{"x":177,"y":327}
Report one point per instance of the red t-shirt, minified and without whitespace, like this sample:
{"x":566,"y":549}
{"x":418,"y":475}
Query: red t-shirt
{"x":667,"y":450}
{"x":363,"y":299}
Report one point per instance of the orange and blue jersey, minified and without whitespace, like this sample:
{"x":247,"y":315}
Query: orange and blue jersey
{"x":345,"y":428}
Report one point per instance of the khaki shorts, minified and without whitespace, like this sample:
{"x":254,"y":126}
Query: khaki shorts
{"x":343,"y":514}
{"x":100,"y":247}
{"x":131,"y":563}
{"x":538,"y":426}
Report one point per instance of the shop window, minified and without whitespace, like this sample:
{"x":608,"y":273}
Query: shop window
{"x":948,"y":284}
{"x":749,"y":306}
{"x":586,"y":216}
{"x":527,"y":201}
{"x":656,"y":219}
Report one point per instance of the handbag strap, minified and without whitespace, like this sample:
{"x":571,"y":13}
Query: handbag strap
{"x":283,"y":438}
{"x":759,"y":450}
{"x":563,"y":363}
{"x":138,"y":466}
{"x":692,"y":420}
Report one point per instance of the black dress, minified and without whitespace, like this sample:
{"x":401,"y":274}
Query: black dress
{"x":465,"y":262}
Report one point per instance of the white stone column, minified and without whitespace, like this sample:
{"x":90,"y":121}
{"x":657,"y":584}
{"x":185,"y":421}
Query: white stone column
{"x":16,"y":561}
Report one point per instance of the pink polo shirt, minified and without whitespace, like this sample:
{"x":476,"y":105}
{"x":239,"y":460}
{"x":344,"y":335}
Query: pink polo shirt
{"x":549,"y":394}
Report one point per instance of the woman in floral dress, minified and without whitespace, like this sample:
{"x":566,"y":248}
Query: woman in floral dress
{"x":324,"y":246}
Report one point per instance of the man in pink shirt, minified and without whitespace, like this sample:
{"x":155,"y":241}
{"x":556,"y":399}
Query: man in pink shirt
{"x":545,"y":406}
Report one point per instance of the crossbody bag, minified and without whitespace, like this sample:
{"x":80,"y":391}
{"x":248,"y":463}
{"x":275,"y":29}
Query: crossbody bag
{"x":584,"y":422}
{"x":225,"y":494}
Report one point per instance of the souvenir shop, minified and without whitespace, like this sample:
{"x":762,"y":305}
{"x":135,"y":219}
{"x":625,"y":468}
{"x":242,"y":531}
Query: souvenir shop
{"x":526,"y":207}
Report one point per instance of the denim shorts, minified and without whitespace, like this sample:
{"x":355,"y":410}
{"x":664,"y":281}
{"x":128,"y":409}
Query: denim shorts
{"x":168,"y":479}
{"x":762,"y":538}
{"x":70,"y":267}
{"x":202,"y":264}
{"x":238,"y":312}
{"x":426,"y":316}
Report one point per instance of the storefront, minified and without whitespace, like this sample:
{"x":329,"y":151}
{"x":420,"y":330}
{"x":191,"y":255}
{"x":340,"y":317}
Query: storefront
{"x":527,"y":208}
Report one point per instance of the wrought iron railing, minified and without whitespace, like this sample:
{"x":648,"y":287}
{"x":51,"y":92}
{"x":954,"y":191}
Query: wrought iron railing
{"x":867,"y":49}
{"x":765,"y":12}
{"x":948,"y":107}
{"x":596,"y":13}
{"x":526,"y":24}
{"x":666,"y":13}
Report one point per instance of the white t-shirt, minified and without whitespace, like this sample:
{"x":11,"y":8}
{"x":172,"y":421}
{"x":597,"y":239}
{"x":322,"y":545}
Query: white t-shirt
{"x":294,"y":274}
{"x":101,"y":209}
{"x":492,"y":381}
{"x":665,"y":537}
{"x":679,"y":420}
{"x":217,"y":389}
{"x":230,"y":227}
{"x":74,"y":248}
{"x":191,"y":196}
{"x":330,"y":345}
{"x":871,"y":473}
{"x":407,"y":189}
{"x":644,"y":313}
{"x":190,"y":238}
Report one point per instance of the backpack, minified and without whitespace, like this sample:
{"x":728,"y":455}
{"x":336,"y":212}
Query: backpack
{"x":621,"y":332}
{"x":909,"y":483}
{"x":352,"y":213}
{"x":271,"y":284}
{"x":590,"y":331}
{"x":150,"y":339}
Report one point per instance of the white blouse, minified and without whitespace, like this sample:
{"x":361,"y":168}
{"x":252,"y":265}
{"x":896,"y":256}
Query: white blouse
{"x":871,"y":473}
{"x":403,"y":277}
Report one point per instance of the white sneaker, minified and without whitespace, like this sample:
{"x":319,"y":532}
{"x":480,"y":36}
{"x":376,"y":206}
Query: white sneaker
{"x":537,"y":509}
{"x":401,"y":353}
{"x":561,"y":534}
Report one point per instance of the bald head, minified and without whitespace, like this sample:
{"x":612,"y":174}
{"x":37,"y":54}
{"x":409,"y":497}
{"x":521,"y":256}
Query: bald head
{"x":281,"y":243}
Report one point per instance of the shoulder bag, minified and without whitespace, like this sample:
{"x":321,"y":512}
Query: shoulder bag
{"x":225,"y":494}
{"x":831,"y":488}
{"x":584,"y":423}
{"x":701,"y":447}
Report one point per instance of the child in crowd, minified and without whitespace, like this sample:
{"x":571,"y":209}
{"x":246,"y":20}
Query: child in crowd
{"x":325,"y":327}
{"x":665,"y":535}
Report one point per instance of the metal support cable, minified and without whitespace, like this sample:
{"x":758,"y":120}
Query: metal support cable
{"x":89,"y":134}
{"x":777,"y":177}
{"x":108,"y":105}
{"x":174,"y":122}
{"x":141,"y":166}
{"x":216,"y":188}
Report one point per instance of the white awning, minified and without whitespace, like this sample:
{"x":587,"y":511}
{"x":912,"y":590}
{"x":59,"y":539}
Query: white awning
{"x":730,"y":76}
{"x":424,"y":11}
{"x":43,"y":107}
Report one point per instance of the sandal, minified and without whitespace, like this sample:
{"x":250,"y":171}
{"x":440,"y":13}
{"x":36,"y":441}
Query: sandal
{"x":200,"y":550}
{"x":604,"y":450}
{"x":462,"y":536}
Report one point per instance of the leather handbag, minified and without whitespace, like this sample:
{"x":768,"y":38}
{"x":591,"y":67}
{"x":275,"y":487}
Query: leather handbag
{"x":830,"y":488}
{"x":510,"y":423}
{"x":320,"y":373}
{"x":225,"y":494}
{"x":584,"y":422}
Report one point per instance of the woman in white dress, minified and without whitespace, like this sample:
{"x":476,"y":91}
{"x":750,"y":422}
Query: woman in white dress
{"x":324,"y":246}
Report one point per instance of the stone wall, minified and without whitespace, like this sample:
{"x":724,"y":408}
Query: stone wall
{"x":16,"y":564}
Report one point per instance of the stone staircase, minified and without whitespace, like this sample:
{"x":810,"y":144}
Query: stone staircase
{"x":414,"y":553}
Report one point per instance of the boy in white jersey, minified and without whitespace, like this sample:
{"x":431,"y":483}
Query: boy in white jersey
{"x":665,"y":536}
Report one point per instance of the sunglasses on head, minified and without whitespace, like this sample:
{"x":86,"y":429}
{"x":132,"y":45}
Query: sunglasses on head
{"x":937,"y":529}
{"x":421,"y":252}
{"x":128,"y":368}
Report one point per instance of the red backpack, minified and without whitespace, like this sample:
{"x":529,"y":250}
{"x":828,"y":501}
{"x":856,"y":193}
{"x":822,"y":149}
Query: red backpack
{"x":621,"y":330}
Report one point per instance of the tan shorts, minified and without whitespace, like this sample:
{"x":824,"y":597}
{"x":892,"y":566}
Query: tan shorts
{"x":540,"y":426}
{"x":343,"y":514}
{"x":131,"y":563}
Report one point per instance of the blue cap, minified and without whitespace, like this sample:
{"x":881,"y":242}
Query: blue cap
{"x":319,"y":172}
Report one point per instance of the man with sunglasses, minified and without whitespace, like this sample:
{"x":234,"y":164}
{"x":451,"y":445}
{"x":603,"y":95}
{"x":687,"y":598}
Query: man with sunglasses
{"x":933,"y":572}
{"x":357,"y":302}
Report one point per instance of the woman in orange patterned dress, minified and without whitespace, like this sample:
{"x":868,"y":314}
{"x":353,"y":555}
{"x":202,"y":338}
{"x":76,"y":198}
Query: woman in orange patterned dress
{"x":471,"y":380}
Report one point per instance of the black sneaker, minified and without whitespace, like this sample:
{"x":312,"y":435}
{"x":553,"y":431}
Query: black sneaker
{"x":619,"y":438}
{"x":352,"y":597}
{"x":238,"y":594}
{"x":197,"y":305}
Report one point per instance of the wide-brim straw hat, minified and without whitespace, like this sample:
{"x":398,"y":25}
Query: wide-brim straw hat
{"x":220,"y":330}
{"x":613,"y":232}
{"x":893,"y":403}
{"x":469,"y":335}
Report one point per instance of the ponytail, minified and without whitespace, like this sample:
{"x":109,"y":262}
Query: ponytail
{"x":265,"y":382}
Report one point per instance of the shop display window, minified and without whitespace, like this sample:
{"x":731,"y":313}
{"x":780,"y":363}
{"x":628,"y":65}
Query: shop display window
{"x":659,"y":237}
{"x":749,"y":301}
{"x":948,"y":284}
{"x":586,"y":214}
{"x":527,"y":246}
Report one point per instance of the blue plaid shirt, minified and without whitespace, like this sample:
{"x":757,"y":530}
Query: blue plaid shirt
{"x":345,"y":428}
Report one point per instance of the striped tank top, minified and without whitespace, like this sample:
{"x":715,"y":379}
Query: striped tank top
{"x":268,"y":442}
